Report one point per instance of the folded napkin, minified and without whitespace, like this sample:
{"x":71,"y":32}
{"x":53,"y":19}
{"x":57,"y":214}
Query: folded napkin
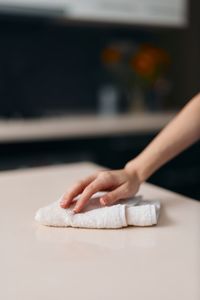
{"x":133,"y":211}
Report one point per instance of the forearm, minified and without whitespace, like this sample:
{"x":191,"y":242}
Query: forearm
{"x":179,"y":134}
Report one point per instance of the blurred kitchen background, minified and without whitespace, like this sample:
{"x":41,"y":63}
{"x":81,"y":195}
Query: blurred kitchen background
{"x":96,"y":80}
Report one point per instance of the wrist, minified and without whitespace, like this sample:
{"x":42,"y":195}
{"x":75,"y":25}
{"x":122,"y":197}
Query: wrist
{"x":138,"y":168}
{"x":133,"y":170}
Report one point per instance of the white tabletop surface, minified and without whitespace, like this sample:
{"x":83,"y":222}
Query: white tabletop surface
{"x":81,"y":126}
{"x":43,"y":263}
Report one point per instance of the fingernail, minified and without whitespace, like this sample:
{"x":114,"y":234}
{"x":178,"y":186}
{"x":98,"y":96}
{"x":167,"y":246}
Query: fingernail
{"x":103,"y":202}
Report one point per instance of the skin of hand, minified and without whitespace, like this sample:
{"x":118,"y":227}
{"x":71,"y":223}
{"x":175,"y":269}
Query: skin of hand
{"x":178,"y":135}
{"x":119,"y":184}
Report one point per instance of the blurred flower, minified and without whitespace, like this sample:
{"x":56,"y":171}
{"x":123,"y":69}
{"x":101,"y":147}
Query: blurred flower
{"x":149,"y":61}
{"x":143,"y":63}
{"x":111,"y":55}
{"x":138,"y":67}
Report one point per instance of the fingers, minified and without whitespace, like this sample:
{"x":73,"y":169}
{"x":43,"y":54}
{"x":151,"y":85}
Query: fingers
{"x":97,"y":185}
{"x":101,"y":181}
{"x":75,"y":191}
{"x":117,"y":194}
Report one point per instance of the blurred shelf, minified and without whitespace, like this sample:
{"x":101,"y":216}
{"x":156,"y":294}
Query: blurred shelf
{"x":81,"y":126}
{"x":144,"y":12}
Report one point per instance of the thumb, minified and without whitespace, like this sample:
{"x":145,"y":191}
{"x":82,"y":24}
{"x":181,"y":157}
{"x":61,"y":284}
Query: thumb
{"x":112,"y":197}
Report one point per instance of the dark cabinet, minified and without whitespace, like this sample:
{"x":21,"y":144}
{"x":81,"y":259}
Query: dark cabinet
{"x":181,"y":175}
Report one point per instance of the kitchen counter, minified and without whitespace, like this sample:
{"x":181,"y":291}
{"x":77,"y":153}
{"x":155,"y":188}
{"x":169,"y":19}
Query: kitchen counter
{"x":81,"y":126}
{"x":160,"y":262}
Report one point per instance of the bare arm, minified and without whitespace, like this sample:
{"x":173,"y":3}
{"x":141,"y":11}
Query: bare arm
{"x":179,"y":134}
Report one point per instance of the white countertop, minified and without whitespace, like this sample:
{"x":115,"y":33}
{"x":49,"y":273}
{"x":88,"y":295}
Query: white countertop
{"x":81,"y":126}
{"x":161,"y":262}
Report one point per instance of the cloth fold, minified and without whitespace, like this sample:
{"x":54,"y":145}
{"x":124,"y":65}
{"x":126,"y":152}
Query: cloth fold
{"x":130,"y":212}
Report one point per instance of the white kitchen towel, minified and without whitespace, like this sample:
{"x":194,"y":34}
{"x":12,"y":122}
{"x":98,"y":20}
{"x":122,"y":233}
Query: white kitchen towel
{"x":133,"y":211}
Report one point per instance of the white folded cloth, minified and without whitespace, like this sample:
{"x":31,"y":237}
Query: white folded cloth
{"x":133,"y":211}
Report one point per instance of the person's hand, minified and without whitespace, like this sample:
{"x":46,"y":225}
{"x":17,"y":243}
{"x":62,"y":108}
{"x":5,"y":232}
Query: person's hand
{"x":120,"y":184}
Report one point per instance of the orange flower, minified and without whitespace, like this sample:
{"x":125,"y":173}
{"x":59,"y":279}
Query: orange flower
{"x":159,"y":54}
{"x":111,"y":56}
{"x":148,"y":59}
{"x":143,"y":64}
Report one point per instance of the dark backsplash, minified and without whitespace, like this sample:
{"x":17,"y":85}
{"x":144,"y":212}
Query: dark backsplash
{"x":47,"y":67}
